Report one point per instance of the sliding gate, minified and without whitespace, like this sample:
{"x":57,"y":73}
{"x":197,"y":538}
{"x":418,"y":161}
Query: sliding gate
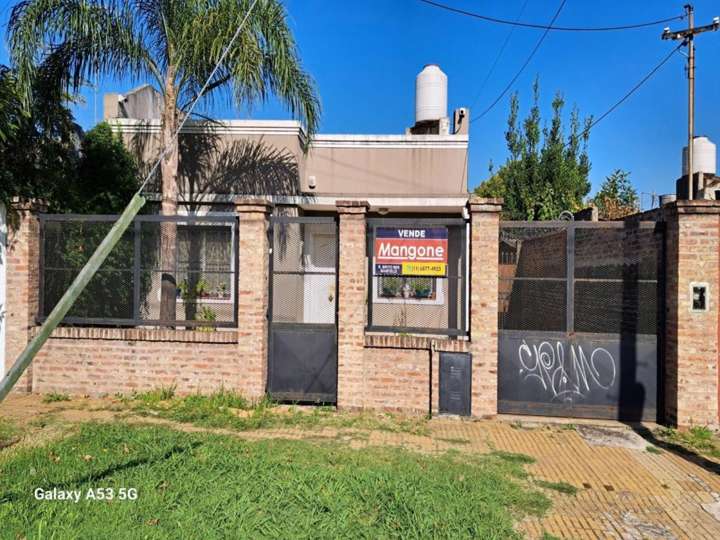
{"x":580,"y":319}
{"x":302,"y":353}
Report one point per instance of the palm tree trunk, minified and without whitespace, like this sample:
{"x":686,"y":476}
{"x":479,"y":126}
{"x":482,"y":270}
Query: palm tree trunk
{"x":169,"y":175}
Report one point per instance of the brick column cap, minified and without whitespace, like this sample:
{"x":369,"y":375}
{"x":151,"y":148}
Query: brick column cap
{"x":485,"y":204}
{"x":696,"y":206}
{"x":32,"y":205}
{"x":245,"y":205}
{"x":352,"y":207}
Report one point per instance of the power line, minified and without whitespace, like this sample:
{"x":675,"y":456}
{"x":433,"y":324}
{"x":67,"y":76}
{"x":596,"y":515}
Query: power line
{"x":525,"y":64}
{"x":631,"y":91}
{"x":499,"y":55}
{"x":550,"y":26}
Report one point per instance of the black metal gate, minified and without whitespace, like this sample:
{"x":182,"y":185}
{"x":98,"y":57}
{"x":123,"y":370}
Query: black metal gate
{"x":580,"y":319}
{"x":302,"y":352}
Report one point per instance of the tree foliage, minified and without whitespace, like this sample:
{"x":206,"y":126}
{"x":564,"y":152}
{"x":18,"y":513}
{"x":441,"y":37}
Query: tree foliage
{"x":617,"y":197}
{"x":546,"y":171}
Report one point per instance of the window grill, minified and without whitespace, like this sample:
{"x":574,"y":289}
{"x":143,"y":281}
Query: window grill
{"x":405,"y":296}
{"x":195,"y":255}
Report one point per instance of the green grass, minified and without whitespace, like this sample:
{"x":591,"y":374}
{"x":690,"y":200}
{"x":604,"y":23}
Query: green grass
{"x":54,"y":397}
{"x":8,"y":432}
{"x":562,"y":487}
{"x":227,"y":409}
{"x":199,"y":485}
{"x":653,"y":450}
{"x":699,"y":439}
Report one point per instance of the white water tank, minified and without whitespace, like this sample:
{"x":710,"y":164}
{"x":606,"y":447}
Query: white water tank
{"x":704,"y":156}
{"x":430,"y":94}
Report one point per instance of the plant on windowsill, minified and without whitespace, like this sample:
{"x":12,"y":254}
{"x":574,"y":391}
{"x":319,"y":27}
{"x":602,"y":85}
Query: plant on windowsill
{"x":421,"y":289}
{"x":391,"y":286}
{"x":206,"y":314}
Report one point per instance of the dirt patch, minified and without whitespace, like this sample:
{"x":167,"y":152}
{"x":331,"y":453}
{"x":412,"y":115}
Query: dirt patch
{"x":617,"y":437}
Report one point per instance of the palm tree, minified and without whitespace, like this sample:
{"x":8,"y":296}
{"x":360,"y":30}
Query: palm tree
{"x":175,"y":44}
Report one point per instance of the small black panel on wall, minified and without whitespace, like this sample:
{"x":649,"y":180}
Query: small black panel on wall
{"x":455,"y":377}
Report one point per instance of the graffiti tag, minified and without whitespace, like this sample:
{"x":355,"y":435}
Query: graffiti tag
{"x":567,"y":376}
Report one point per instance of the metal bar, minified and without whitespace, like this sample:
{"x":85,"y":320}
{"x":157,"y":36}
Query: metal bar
{"x":302,"y":219}
{"x":406,"y":222}
{"x":76,"y":269}
{"x":578,"y":224}
{"x":370,"y":248}
{"x":302,"y":273}
{"x":415,"y":330}
{"x":142,"y":218}
{"x":236,"y":261}
{"x":533,"y":279}
{"x":463,"y":282}
{"x":570,"y":284}
{"x":610,"y":280}
{"x":109,"y":321}
{"x":589,"y":336}
{"x":41,"y":291}
{"x":136,"y":270}
{"x":228,"y":219}
{"x":303,"y":326}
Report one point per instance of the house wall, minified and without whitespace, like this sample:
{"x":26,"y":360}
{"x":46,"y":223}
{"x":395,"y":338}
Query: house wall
{"x":257,"y":158}
{"x":374,"y":371}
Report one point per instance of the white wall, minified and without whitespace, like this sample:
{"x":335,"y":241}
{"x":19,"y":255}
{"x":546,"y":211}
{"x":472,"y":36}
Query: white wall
{"x":3,"y":253}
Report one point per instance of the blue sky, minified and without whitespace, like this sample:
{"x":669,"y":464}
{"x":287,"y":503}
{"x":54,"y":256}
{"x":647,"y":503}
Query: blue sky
{"x":364,"y":56}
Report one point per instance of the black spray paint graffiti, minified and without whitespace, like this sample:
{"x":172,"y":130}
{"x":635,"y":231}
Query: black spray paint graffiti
{"x":567,"y":377}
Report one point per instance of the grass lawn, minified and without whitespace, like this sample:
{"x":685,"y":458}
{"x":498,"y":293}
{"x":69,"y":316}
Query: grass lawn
{"x":227,"y":409}
{"x":198,"y":485}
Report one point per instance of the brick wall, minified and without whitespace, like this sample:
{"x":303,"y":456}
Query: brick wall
{"x":352,"y":307}
{"x":402,"y":371}
{"x":97,"y":361}
{"x":484,"y":240}
{"x":23,"y":248}
{"x":691,"y":338}
{"x":253,"y":294}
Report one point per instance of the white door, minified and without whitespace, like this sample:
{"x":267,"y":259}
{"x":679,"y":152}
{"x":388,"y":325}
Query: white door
{"x":319,"y":255}
{"x":3,"y":307}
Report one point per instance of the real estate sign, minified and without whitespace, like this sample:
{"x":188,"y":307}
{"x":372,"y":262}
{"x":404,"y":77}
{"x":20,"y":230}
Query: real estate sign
{"x":402,"y":251}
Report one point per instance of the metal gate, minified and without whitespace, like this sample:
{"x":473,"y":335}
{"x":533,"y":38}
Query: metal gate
{"x":580,"y":319}
{"x":302,"y":352}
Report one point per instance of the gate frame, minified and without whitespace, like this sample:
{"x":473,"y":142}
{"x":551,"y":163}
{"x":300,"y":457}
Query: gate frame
{"x":570,"y":226}
{"x":273,"y":219}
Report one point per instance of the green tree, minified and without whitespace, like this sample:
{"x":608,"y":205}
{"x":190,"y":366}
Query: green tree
{"x":546,"y":171}
{"x":176,"y":44}
{"x":617,"y":197}
{"x":40,"y":141}
{"x":107,"y":174}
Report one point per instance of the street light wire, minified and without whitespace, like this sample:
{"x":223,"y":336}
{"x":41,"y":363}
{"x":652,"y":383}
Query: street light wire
{"x":525,"y":64}
{"x":550,"y":26}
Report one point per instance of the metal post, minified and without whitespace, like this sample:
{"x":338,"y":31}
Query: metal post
{"x":691,"y":100}
{"x":688,"y":39}
{"x":570,"y":278}
{"x":136,"y":271}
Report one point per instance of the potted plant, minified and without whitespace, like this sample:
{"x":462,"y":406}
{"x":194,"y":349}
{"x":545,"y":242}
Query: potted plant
{"x":390,"y":287}
{"x":421,"y":288}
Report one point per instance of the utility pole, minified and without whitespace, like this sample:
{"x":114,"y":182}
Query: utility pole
{"x":688,"y":39}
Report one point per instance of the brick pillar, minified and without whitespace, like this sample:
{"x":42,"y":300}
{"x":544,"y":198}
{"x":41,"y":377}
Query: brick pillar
{"x":485,"y":224}
{"x":691,"y":337}
{"x":253,"y":297}
{"x":352,"y":308}
{"x":23,"y":282}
